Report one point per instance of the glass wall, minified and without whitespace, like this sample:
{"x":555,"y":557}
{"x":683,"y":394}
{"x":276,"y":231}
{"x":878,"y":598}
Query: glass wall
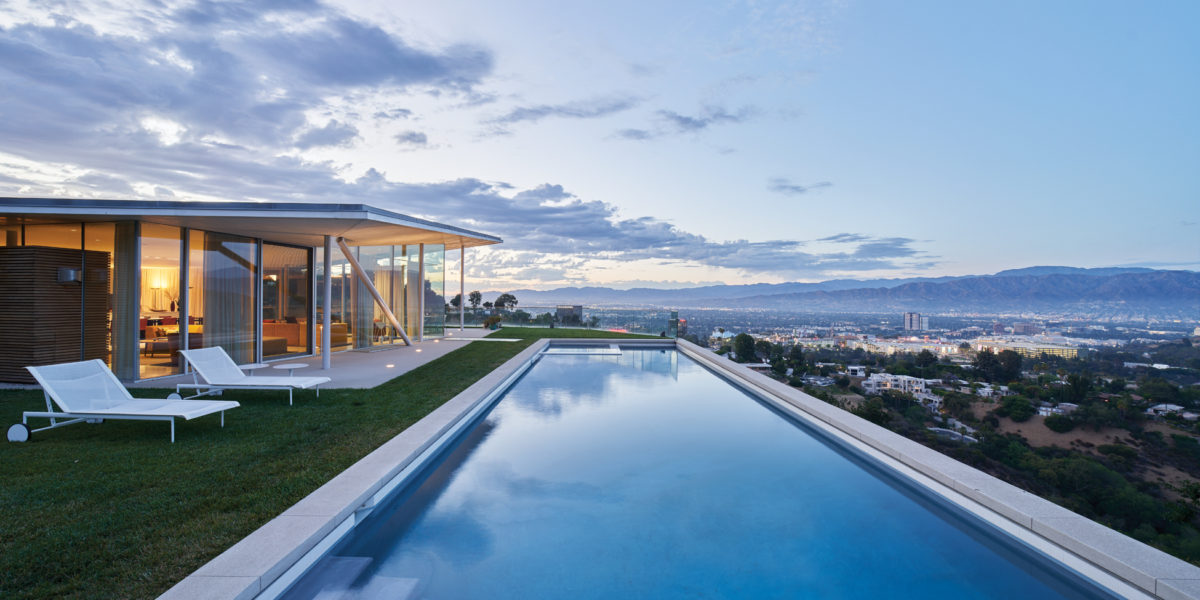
{"x":287,"y":298}
{"x":159,"y":313}
{"x":358,"y":320}
{"x":116,"y":307}
{"x":341,"y":310}
{"x":135,"y":291}
{"x":412,"y":291}
{"x":399,"y":286}
{"x":435,"y":290}
{"x":67,"y":235}
{"x":370,"y":324}
{"x":223,"y":294}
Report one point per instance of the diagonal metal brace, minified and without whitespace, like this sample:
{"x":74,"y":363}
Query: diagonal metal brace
{"x":366,"y":281}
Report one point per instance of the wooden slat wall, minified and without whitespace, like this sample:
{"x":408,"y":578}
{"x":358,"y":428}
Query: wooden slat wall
{"x":40,"y":317}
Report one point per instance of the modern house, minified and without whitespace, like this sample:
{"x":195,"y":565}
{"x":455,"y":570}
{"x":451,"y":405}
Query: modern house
{"x":132,"y":282}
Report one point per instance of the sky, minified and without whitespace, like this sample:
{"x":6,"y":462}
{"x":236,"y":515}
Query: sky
{"x":658,"y":144}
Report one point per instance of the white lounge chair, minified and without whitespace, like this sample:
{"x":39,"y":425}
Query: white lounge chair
{"x":88,"y":392}
{"x":219,"y":372}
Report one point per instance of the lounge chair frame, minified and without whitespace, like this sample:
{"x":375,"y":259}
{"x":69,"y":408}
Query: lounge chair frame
{"x":247,"y":382}
{"x":98,"y":416}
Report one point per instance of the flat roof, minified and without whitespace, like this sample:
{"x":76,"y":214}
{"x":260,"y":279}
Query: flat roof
{"x":299,"y":223}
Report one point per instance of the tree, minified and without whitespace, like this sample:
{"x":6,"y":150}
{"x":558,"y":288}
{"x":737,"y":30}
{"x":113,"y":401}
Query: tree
{"x":456,"y":300}
{"x":743,"y":346}
{"x":795,"y":357}
{"x":1009,"y":367}
{"x":487,"y":305}
{"x":475,"y":298}
{"x":956,"y":404}
{"x":1078,"y":386}
{"x":1019,"y":408}
{"x":505,"y":301}
{"x":1059,"y":423}
{"x":985,"y":364}
{"x":925,"y":359}
{"x":762,"y":348}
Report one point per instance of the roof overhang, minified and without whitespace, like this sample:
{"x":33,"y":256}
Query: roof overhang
{"x":296,"y":223}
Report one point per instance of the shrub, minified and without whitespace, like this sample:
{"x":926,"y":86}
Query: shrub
{"x":1019,"y":408}
{"x":873,"y":411}
{"x":1118,"y":450}
{"x":1060,"y":423}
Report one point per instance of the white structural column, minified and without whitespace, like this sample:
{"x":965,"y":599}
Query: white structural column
{"x":326,"y":318}
{"x":421,"y":293}
{"x":367,"y":283}
{"x":462,"y":285}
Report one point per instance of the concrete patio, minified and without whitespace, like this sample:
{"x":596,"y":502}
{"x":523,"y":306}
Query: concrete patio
{"x":359,"y":369}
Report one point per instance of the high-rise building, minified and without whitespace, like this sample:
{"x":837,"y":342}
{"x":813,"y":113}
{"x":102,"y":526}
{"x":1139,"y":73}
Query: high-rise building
{"x":914,"y":322}
{"x":924,"y":323}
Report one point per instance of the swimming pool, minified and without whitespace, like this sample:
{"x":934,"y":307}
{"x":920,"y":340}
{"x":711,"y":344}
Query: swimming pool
{"x":643,"y":474}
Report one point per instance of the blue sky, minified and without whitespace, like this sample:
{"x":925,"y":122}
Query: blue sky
{"x":633,"y":143}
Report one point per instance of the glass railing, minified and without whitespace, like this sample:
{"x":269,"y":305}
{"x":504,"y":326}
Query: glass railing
{"x":633,"y":320}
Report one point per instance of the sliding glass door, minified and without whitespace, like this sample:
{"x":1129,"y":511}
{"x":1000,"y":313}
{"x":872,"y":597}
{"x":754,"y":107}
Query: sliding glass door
{"x":287,"y":300}
{"x":223,"y":296}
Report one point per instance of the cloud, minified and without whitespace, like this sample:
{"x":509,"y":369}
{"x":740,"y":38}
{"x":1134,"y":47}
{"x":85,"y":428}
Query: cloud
{"x":347,"y":53}
{"x":221,"y":69}
{"x":844,"y":238}
{"x":332,"y":134}
{"x":582,"y":109}
{"x":104,"y":183}
{"x":669,"y":122}
{"x":412,"y":138}
{"x":208,"y":102}
{"x":393,"y":114}
{"x":784,"y":186}
{"x":635,"y":134}
{"x":710,"y":115}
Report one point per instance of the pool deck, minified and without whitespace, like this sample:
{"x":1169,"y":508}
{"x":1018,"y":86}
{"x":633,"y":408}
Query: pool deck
{"x":358,"y":369}
{"x":268,"y":559}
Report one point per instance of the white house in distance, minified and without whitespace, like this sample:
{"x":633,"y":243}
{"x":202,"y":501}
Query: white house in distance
{"x":878,"y":382}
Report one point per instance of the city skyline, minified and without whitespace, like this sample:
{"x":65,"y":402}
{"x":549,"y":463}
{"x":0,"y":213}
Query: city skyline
{"x":629,"y":145}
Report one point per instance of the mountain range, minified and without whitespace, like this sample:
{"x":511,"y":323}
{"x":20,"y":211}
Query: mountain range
{"x":1047,"y":289}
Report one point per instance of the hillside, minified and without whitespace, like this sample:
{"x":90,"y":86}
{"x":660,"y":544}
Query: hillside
{"x":1057,"y":289}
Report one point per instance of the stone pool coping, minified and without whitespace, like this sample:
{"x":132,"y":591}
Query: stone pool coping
{"x":253,"y":564}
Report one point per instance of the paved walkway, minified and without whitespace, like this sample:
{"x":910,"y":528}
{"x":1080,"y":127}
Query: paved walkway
{"x":356,"y":368}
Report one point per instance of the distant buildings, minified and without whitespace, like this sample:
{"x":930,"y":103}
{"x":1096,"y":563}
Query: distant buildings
{"x":1026,"y":329}
{"x":915,"y":322}
{"x":1046,"y":409}
{"x":1162,"y":410}
{"x":904,"y":346}
{"x":1028,"y":348}
{"x":878,"y":382}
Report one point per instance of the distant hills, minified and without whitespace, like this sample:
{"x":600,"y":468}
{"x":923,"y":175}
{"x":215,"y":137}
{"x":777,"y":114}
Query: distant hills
{"x":1133,"y":292}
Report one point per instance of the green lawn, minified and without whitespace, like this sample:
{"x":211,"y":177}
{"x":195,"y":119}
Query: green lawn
{"x":116,"y":511}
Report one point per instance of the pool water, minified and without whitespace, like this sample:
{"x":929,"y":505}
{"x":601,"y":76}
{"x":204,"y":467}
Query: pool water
{"x":644,"y":475}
